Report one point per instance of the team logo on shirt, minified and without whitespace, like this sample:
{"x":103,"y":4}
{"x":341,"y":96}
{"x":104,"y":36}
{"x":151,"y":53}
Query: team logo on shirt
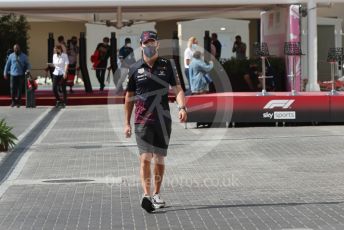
{"x":141,"y":77}
{"x":141,"y":71}
{"x":161,"y":73}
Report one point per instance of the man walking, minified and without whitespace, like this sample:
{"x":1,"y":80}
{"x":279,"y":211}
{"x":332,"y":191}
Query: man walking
{"x":148,"y":86}
{"x":127,"y":58}
{"x":16,"y":66}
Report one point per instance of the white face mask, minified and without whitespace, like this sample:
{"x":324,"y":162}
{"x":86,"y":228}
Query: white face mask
{"x":194,"y":46}
{"x":128,"y":44}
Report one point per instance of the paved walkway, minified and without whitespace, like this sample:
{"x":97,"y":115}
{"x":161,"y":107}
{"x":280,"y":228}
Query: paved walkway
{"x":237,"y":178}
{"x":22,"y":120}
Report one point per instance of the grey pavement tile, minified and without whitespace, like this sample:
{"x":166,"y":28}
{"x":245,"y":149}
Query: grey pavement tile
{"x":20,"y":119}
{"x":237,"y":178}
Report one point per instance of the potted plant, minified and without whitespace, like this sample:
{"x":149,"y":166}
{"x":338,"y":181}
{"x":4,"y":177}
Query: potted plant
{"x":7,"y":138}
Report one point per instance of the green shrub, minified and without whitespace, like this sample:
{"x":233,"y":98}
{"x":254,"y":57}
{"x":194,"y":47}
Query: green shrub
{"x":7,"y":138}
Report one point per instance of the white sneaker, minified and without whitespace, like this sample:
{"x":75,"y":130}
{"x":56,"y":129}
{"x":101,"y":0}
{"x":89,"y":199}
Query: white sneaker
{"x":157,"y":201}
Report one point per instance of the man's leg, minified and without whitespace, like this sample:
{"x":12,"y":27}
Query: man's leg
{"x":102,"y":78}
{"x":56,"y":80}
{"x":98,"y":75}
{"x":13,"y":90}
{"x":145,"y":161}
{"x":145,"y":172}
{"x":188,"y":89}
{"x":64,"y":91}
{"x":159,"y":169}
{"x":21,"y":81}
{"x":72,"y":71}
{"x":122,"y":77}
{"x":162,"y":139}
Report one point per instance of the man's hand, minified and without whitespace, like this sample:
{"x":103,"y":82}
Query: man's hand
{"x":5,"y":77}
{"x":127,"y":131}
{"x":65,"y":76}
{"x":182,"y":115}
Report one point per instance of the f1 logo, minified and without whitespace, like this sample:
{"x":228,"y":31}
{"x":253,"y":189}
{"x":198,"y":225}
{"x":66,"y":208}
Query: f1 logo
{"x":284,"y":104}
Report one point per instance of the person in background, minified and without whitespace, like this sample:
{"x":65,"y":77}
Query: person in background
{"x":217,"y":45}
{"x":252,"y":78}
{"x":191,"y":48}
{"x":16,"y":66}
{"x":197,"y":72}
{"x":239,"y":48}
{"x":62,"y":43}
{"x":100,"y":61}
{"x":127,"y":58}
{"x":60,"y":62}
{"x":72,"y":52}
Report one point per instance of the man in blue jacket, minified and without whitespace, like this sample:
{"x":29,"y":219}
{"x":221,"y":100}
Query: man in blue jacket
{"x":16,"y":66}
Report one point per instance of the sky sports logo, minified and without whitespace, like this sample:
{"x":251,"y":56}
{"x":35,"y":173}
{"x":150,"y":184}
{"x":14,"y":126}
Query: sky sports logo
{"x":280,"y":115}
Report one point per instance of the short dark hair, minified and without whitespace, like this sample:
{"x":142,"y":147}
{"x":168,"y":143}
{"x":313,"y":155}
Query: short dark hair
{"x":106,"y":39}
{"x":214,"y":35}
{"x":60,"y":38}
{"x":127,"y":40}
{"x":238,"y":37}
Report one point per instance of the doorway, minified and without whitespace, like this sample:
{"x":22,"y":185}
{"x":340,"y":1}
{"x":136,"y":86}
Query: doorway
{"x":326,"y":40}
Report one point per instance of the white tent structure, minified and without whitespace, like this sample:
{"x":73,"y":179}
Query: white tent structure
{"x":87,"y":10}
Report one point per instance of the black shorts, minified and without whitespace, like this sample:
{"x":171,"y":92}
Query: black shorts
{"x":153,"y":138}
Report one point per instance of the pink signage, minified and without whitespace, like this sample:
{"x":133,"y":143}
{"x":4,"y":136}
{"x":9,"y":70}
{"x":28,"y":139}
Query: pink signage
{"x":280,"y":26}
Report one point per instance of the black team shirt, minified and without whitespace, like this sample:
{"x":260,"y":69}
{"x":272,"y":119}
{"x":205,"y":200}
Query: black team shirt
{"x":151,"y":86}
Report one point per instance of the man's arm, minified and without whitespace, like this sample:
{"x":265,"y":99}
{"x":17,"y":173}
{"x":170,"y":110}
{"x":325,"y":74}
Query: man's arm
{"x":66,"y":67}
{"x":235,"y":46}
{"x":187,"y":56}
{"x":7,"y":68}
{"x":244,"y":48}
{"x":180,"y":98}
{"x":27,"y":63}
{"x":187,"y":61}
{"x":128,"y":109}
{"x":121,"y":56}
{"x":206,"y":67}
{"x":64,"y":48}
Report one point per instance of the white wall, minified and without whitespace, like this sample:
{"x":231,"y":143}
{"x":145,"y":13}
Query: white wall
{"x":197,"y":27}
{"x":95,"y":34}
{"x":337,"y":23}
